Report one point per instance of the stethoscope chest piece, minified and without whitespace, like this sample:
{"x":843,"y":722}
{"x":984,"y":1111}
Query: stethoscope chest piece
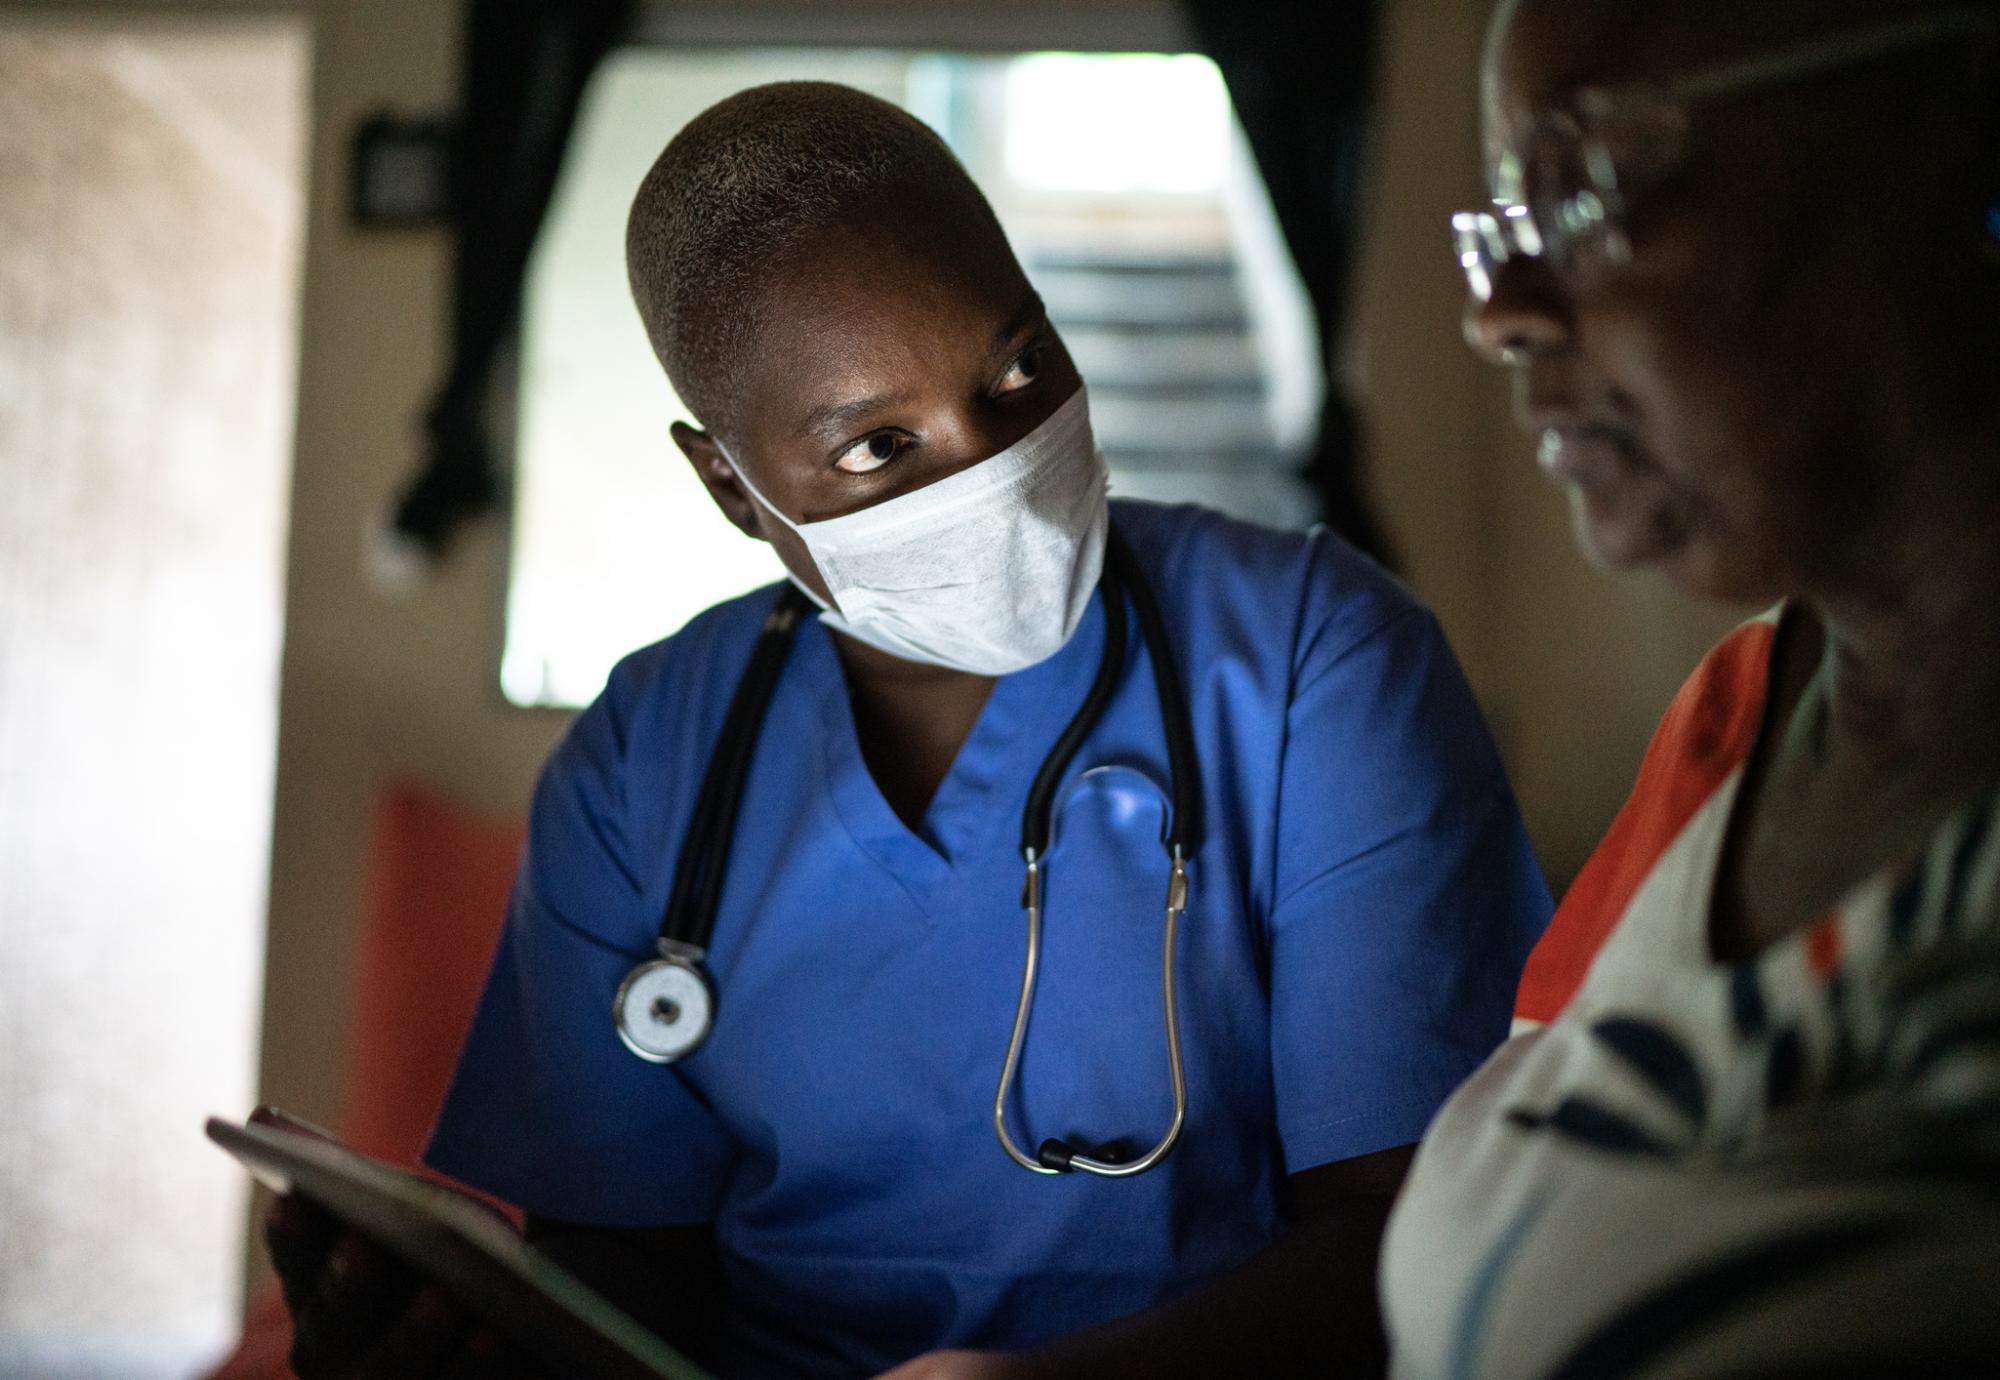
{"x":664,"y":1008}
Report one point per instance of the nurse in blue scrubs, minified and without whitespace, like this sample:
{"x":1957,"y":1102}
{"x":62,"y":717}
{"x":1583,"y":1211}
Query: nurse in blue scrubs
{"x":816,"y":1189}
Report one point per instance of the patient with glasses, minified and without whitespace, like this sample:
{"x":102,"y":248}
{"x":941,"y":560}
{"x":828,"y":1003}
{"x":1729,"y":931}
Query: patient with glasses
{"x":1743,"y":263}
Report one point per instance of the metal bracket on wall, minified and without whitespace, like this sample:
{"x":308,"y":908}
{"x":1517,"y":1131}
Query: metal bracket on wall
{"x":400,"y":172}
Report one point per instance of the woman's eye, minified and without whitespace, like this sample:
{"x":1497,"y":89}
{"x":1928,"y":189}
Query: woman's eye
{"x":1022,"y":371}
{"x":870,"y":453}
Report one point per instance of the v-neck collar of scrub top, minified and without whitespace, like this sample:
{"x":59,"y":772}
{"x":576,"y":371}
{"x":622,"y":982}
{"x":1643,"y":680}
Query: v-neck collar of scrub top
{"x":981,"y":797}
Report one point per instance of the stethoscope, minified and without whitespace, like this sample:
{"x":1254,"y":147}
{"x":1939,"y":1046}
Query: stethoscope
{"x":666,"y":1006}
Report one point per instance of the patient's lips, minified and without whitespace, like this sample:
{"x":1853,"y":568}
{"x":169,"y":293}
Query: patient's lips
{"x":1626,"y":515}
{"x":1589,"y":455}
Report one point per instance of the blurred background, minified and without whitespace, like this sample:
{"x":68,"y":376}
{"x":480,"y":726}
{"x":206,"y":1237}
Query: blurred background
{"x":308,"y":501}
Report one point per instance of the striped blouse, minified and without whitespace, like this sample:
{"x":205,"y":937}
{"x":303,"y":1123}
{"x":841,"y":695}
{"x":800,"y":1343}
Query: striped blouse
{"x":1786,"y":1166}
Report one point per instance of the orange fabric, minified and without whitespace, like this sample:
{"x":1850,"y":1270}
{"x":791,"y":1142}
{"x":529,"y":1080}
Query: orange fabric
{"x":436,"y":896}
{"x":1709,"y":730}
{"x":264,"y":1353}
{"x":438,"y":881}
{"x":1823,"y":946}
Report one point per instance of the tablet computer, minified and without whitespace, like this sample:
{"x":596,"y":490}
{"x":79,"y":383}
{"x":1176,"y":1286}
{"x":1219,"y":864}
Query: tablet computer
{"x":461,"y":1243}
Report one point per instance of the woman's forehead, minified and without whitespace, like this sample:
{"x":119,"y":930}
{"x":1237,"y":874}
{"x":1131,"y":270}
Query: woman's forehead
{"x":1539,"y":51}
{"x":875,"y":309}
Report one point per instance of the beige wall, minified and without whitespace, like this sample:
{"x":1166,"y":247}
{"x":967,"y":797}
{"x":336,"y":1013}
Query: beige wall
{"x":375,"y":686}
{"x":149,"y":229}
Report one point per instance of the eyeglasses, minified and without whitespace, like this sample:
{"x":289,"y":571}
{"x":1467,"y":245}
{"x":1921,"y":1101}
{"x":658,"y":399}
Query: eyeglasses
{"x":1566,"y":196}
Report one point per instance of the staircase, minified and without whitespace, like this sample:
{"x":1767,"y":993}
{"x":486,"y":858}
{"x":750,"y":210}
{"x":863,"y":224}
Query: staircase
{"x":1178,"y":397}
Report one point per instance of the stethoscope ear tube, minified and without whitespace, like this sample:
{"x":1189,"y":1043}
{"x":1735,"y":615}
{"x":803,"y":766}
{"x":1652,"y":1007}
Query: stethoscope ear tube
{"x":1183,"y":766}
{"x":1057,"y":1156}
{"x":1183,"y":831}
{"x":1039,"y":812}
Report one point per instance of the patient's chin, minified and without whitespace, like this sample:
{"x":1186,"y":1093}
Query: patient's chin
{"x":1618,"y":529}
{"x":1711,"y":572}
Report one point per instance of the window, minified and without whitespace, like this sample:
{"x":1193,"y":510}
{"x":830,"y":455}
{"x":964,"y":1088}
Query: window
{"x":1135,"y":208}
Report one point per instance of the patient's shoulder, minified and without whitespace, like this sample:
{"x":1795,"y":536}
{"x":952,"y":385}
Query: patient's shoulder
{"x":1705,"y":737}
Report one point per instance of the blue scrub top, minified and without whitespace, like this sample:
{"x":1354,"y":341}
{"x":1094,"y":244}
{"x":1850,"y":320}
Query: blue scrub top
{"x":1361,"y":908}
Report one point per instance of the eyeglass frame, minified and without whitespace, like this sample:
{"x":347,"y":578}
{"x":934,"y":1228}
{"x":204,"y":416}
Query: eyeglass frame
{"x":1596,"y":212}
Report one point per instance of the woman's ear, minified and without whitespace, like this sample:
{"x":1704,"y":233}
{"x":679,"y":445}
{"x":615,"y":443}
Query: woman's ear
{"x":718,"y":476}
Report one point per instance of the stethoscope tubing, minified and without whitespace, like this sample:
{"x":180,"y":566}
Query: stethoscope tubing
{"x":688,"y":921}
{"x":1054,"y":1156}
{"x":1121,"y":572}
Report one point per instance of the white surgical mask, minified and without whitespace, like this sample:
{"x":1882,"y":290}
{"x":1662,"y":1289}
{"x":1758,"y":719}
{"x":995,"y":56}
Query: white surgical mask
{"x":988,"y":570}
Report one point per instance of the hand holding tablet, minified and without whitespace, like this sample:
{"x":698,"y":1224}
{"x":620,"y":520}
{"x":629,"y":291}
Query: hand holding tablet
{"x":388,"y":1273}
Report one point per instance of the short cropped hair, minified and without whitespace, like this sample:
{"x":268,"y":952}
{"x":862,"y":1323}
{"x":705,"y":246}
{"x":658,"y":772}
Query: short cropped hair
{"x":745,"y":183}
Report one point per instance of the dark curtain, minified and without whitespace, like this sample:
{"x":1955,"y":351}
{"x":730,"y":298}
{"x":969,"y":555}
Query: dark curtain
{"x":526,"y":65}
{"x":1300,"y":75}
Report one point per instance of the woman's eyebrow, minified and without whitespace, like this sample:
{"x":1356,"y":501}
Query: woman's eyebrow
{"x":840,"y":415}
{"x":1031,"y":312}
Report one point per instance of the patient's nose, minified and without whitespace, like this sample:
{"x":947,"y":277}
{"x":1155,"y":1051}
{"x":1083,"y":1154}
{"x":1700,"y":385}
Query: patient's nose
{"x":1527,"y":314}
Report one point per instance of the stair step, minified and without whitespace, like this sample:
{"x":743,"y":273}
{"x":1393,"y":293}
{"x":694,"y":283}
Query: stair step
{"x":1107,"y":356}
{"x":1128,"y":262}
{"x":1229,"y":460}
{"x":1228,"y":392}
{"x":1152,"y":300}
{"x":1176,"y":424}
